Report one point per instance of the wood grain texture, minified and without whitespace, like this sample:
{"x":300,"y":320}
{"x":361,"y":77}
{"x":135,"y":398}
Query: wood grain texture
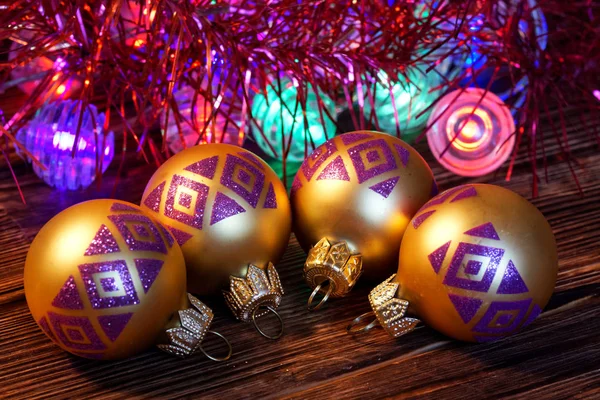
{"x":556,"y":357}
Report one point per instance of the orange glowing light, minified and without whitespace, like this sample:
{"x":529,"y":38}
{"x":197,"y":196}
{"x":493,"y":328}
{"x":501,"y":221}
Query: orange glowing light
{"x":61,"y":89}
{"x":138,"y":43}
{"x":470,"y":130}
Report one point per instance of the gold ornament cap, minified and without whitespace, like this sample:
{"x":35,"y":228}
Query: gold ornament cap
{"x":193,"y":325}
{"x":255,"y":296}
{"x":333,"y":264}
{"x":388,"y":310}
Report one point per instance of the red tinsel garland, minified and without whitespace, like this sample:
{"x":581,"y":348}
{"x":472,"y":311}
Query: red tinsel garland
{"x":137,"y":53}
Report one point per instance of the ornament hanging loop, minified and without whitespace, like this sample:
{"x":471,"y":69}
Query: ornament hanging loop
{"x":352,"y":326}
{"x":320,"y":289}
{"x":230,"y":351}
{"x":272,"y":311}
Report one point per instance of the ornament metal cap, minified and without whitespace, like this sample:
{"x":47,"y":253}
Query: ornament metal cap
{"x":255,"y":296}
{"x":187,"y":338}
{"x":332,"y":266}
{"x":388,"y":310}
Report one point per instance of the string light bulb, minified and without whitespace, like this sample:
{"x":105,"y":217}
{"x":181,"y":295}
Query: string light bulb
{"x":284,"y":123}
{"x":471,"y":133}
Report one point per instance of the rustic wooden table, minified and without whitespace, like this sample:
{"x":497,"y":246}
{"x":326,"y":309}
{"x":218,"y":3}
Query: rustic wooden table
{"x":556,"y":357}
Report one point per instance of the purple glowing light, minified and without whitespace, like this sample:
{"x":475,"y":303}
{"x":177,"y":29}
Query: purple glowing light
{"x":51,"y":137}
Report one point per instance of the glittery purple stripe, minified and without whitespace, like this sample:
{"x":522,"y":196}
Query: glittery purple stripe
{"x":364,"y":172}
{"x":467,"y":307}
{"x":493,"y":253}
{"x":113,"y":325}
{"x":123,"y":207}
{"x":180,"y":236}
{"x":155,"y":242}
{"x":512,"y":282}
{"x":224,"y":207}
{"x":317,"y":158}
{"x":228,"y":179}
{"x":68,"y":297}
{"x":43,"y":323}
{"x":195,"y":220}
{"x":335,"y":170}
{"x":148,"y":270}
{"x":386,"y":187}
{"x":107,"y":301}
{"x":206,"y":167}
{"x":349,"y":138}
{"x":403,"y":153}
{"x":485,"y":231}
{"x":417,"y":221}
{"x":470,"y":192}
{"x":271,"y":199}
{"x":436,"y":258}
{"x":103,"y":243}
{"x":494,"y":320}
{"x":154,"y":198}
{"x":59,"y":321}
{"x":253,"y":159}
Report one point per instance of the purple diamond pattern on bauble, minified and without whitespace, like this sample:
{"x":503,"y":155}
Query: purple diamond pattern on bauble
{"x":467,"y":307}
{"x":68,"y":297}
{"x":512,"y":282}
{"x":148,"y":237}
{"x":317,"y":158}
{"x":334,"y":171}
{"x":271,"y":199}
{"x":224,"y":207}
{"x":153,"y":199}
{"x":148,"y":270}
{"x":418,"y":220}
{"x":205,"y":168}
{"x":494,"y":255}
{"x":124,"y":292}
{"x":349,"y":138}
{"x":535,"y":312}
{"x":103,"y":243}
{"x":296,"y":184}
{"x":485,"y":231}
{"x":43,"y":323}
{"x":364,"y":172}
{"x":167,"y":235}
{"x":75,"y":332}
{"x":180,"y":236}
{"x":243,"y":169}
{"x":470,"y":192}
{"x":503,"y":317}
{"x":403,"y":153}
{"x":123,"y":207}
{"x":386,"y":187}
{"x":253,"y":159}
{"x":195,"y":219}
{"x":113,"y":325}
{"x":439,"y":199}
{"x":436,"y":258}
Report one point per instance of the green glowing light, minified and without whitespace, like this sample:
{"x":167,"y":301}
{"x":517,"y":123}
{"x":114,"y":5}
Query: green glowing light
{"x":281,"y":119}
{"x":410,"y":98}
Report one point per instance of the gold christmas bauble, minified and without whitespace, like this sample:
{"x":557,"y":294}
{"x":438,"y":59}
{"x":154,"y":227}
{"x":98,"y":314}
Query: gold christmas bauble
{"x":103,"y":279}
{"x":477,"y":263}
{"x":352,"y":200}
{"x":231,"y":215}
